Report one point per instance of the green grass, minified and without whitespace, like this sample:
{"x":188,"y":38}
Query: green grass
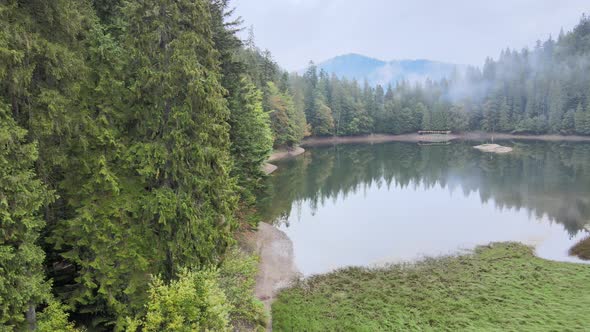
{"x":582,"y":249}
{"x":501,"y":287}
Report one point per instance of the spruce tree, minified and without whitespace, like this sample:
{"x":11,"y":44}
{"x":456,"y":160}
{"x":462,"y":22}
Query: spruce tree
{"x":22,"y":282}
{"x":250,"y":134}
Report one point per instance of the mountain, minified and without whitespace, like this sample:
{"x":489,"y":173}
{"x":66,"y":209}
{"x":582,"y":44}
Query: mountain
{"x":360,"y":67}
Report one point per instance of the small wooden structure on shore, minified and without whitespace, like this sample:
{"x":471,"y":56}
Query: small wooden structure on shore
{"x":434,"y":132}
{"x":429,"y":143}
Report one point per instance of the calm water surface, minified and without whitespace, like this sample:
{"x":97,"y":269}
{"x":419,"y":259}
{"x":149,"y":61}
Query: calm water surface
{"x":366,"y":205}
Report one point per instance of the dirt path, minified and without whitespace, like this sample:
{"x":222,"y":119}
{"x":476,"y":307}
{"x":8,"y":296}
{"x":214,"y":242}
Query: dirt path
{"x":276,"y":269}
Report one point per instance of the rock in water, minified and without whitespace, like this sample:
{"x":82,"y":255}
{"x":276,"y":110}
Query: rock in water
{"x":493,"y":148}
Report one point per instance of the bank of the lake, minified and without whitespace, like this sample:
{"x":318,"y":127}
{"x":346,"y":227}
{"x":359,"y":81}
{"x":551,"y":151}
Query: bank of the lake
{"x":414,"y":137}
{"x":280,"y":154}
{"x":581,"y":249}
{"x":503,"y":287}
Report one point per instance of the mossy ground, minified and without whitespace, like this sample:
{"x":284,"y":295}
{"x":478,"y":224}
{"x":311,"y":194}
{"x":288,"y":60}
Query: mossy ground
{"x":582,"y":249}
{"x":500,"y":287}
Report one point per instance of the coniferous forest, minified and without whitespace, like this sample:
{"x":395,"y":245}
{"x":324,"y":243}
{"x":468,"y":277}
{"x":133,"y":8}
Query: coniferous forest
{"x":133,"y":134}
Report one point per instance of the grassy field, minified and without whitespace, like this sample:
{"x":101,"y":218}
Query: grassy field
{"x":501,"y":287}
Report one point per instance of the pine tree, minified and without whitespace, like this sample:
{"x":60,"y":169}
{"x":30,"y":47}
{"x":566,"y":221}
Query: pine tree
{"x":556,"y":105}
{"x":22,"y":195}
{"x":311,"y":95}
{"x":180,"y":142}
{"x":325,"y":121}
{"x":250,"y":134}
{"x":288,"y":121}
{"x":426,"y":118}
{"x":505,"y":122}
{"x":582,"y":121}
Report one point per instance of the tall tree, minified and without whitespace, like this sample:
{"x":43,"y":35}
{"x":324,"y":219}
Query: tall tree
{"x":22,"y":195}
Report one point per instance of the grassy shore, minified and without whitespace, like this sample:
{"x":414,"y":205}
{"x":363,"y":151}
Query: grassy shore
{"x":501,"y":287}
{"x":582,"y":249}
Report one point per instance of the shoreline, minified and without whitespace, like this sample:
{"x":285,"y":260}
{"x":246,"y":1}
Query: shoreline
{"x":280,"y":154}
{"x":416,"y":138}
{"x":432,"y":287}
{"x":276,"y":264}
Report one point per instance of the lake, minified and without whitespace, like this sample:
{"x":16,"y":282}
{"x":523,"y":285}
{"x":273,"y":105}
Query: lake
{"x":373,"y":204}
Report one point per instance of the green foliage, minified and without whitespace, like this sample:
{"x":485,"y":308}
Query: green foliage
{"x":288,"y":121}
{"x":54,"y":318}
{"x":531,"y":92}
{"x":582,"y":120}
{"x":125,"y":103}
{"x":324,"y":121}
{"x":237,"y":275}
{"x":250,"y":134}
{"x":205,"y":300}
{"x":133,"y":130}
{"x":496,"y":288}
{"x":22,"y":283}
{"x":193,"y":302}
{"x":180,"y":143}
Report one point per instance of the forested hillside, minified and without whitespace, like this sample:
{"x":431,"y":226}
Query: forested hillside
{"x":538,"y":91}
{"x":360,"y":67}
{"x":133,"y":134}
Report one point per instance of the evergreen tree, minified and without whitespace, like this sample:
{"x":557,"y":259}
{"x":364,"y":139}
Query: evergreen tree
{"x":288,"y":122}
{"x":22,"y":195}
{"x":250,"y":134}
{"x":505,"y":122}
{"x":325,"y":122}
{"x":582,"y":121}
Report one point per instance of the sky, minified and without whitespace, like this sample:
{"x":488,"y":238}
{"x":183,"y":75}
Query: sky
{"x":455,"y":31}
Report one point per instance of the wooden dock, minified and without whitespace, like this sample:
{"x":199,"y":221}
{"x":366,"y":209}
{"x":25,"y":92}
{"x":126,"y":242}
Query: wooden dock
{"x":434,"y":132}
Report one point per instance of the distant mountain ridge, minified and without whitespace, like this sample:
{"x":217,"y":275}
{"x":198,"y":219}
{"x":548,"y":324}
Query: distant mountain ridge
{"x":375,"y":71}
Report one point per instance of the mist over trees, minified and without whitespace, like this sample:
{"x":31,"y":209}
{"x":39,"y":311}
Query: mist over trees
{"x":132,"y":136}
{"x":545,"y":90}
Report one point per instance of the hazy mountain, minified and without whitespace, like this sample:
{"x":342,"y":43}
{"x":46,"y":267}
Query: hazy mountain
{"x":381,"y":72}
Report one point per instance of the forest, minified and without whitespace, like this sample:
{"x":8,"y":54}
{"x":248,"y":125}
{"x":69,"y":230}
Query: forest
{"x":133,"y":134}
{"x":541,"y":91}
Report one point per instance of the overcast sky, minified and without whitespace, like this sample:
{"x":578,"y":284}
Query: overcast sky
{"x":457,"y":31}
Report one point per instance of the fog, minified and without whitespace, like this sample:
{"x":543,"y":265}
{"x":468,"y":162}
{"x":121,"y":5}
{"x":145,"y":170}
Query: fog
{"x":455,"y":31}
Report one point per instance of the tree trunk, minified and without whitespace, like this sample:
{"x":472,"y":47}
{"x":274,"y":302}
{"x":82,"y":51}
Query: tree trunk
{"x":32,"y":317}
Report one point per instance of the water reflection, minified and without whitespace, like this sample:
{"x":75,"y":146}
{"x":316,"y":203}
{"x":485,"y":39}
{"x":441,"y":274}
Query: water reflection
{"x":399,"y":200}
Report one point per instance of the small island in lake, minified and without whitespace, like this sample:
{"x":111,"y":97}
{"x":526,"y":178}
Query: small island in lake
{"x":493,"y":148}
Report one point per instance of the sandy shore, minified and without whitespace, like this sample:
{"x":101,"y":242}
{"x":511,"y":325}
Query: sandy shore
{"x":475,"y":136}
{"x":276,"y":269}
{"x":268,"y":168}
{"x":285,"y":153}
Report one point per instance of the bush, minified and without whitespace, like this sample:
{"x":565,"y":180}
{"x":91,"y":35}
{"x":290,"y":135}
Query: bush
{"x":581,"y":249}
{"x":237,"y":279}
{"x":206,"y":300}
{"x":193,"y":302}
{"x":54,"y":318}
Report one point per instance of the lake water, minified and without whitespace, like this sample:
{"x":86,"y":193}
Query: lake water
{"x":371,"y":204}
